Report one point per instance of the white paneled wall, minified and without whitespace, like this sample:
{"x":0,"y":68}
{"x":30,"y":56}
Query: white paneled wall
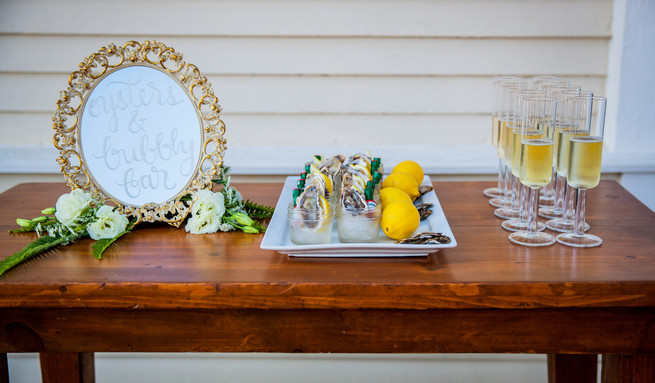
{"x":403,"y":78}
{"x":311,"y":76}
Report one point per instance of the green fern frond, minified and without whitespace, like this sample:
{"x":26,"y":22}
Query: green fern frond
{"x":258,"y":211}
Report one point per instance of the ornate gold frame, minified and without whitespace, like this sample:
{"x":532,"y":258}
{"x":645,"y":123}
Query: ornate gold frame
{"x":71,"y":105}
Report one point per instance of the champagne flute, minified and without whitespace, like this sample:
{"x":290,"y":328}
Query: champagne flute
{"x":584,"y":162}
{"x":564,"y":124}
{"x":554,"y":89}
{"x":507,"y":117}
{"x":540,"y":82}
{"x":536,"y":163}
{"x":571,"y":128}
{"x":496,"y":98}
{"x":513,"y":212}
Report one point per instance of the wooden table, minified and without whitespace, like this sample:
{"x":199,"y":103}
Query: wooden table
{"x":161,"y":289}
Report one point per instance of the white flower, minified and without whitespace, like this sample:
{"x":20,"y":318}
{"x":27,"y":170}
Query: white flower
{"x":203,"y":224}
{"x":206,"y":201}
{"x":70,"y":206}
{"x":108,"y":224}
{"x":207,"y":211}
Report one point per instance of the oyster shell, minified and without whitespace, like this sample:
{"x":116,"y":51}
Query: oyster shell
{"x":424,"y":210}
{"x":425,"y":238}
{"x":424,"y":189}
{"x":332,"y":165}
{"x":352,"y":198}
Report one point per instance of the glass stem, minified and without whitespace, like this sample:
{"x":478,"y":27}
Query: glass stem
{"x":524,"y":203}
{"x":533,"y":206}
{"x":560,"y":194}
{"x":501,"y":174}
{"x":516,"y":187}
{"x":569,"y":204}
{"x":580,"y":211}
{"x":549,"y":190}
{"x":508,"y":186}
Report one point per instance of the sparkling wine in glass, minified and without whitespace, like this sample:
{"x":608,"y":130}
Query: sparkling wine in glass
{"x":584,"y":165}
{"x":555,"y":90}
{"x":513,"y":212}
{"x":496,"y":108}
{"x":536,"y":161}
{"x":563,"y":123}
{"x":573,"y":126}
{"x":507,"y":118}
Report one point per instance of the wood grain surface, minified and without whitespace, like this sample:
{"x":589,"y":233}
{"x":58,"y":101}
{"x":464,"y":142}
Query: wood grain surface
{"x":161,"y":267}
{"x":161,"y":289}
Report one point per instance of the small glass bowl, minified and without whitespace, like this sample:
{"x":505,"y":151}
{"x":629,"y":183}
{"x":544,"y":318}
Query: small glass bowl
{"x":307,"y":229}
{"x":359,"y":225}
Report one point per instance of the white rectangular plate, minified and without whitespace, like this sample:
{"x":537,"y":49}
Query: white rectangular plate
{"x":277,"y":234}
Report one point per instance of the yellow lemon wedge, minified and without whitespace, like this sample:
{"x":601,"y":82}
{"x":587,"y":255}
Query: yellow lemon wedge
{"x":324,"y":205}
{"x":400,"y":220}
{"x":365,"y":170}
{"x":411,"y":168}
{"x":392,"y":194}
{"x":313,"y":170}
{"x":404,"y":182}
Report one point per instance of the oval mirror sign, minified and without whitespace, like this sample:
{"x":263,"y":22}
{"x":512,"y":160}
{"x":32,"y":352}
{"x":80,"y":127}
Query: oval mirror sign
{"x":139,"y":127}
{"x":140,"y":136}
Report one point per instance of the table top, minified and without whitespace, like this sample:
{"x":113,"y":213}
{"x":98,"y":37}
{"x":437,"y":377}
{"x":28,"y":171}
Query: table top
{"x":161,"y":267}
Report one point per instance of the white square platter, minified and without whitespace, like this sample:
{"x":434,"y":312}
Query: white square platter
{"x":277,"y":234}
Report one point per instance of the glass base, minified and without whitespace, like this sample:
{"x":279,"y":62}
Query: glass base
{"x":493,"y":192}
{"x":563,"y":226}
{"x":575,"y":240}
{"x":518,"y":225}
{"x":531,"y":239}
{"x":507,"y":213}
{"x":499,"y":202}
{"x":549,"y":213}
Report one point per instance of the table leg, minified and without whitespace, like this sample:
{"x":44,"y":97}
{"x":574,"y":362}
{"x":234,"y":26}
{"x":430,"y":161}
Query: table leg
{"x":628,"y":368}
{"x":4,"y":368}
{"x":572,"y":368}
{"x":67,"y":367}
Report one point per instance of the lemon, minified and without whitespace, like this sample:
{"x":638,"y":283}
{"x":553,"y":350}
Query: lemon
{"x":411,"y":168}
{"x":392,"y":194}
{"x":404,"y":182}
{"x":399,"y":220}
{"x":363,"y":169}
{"x":323,"y":205}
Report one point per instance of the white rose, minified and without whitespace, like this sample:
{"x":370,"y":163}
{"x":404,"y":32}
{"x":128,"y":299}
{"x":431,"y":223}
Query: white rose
{"x":203,"y":223}
{"x":108,"y":224}
{"x":208,"y":201}
{"x":207,"y":211}
{"x":70,"y":206}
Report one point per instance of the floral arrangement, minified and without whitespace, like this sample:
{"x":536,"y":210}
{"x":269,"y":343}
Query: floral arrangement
{"x":77,"y":215}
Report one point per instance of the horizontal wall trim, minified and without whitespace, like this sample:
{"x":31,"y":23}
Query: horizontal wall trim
{"x":289,"y":160}
{"x":316,"y":94}
{"x":326,"y":56}
{"x":468,"y":358}
{"x":156,"y":36}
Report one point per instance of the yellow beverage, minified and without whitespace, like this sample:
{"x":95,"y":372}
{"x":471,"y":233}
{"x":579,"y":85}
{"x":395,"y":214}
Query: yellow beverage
{"x":501,"y":138}
{"x":507,"y":133}
{"x":516,"y":147}
{"x":585,"y":155}
{"x":536,"y":162}
{"x":495,"y":130}
{"x":563,"y":148}
{"x":555,"y":146}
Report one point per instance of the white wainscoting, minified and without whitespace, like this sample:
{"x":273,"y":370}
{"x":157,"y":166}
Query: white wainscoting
{"x":301,"y":368}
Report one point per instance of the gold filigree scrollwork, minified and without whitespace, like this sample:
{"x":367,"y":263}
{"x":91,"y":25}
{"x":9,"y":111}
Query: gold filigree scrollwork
{"x":70,"y":107}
